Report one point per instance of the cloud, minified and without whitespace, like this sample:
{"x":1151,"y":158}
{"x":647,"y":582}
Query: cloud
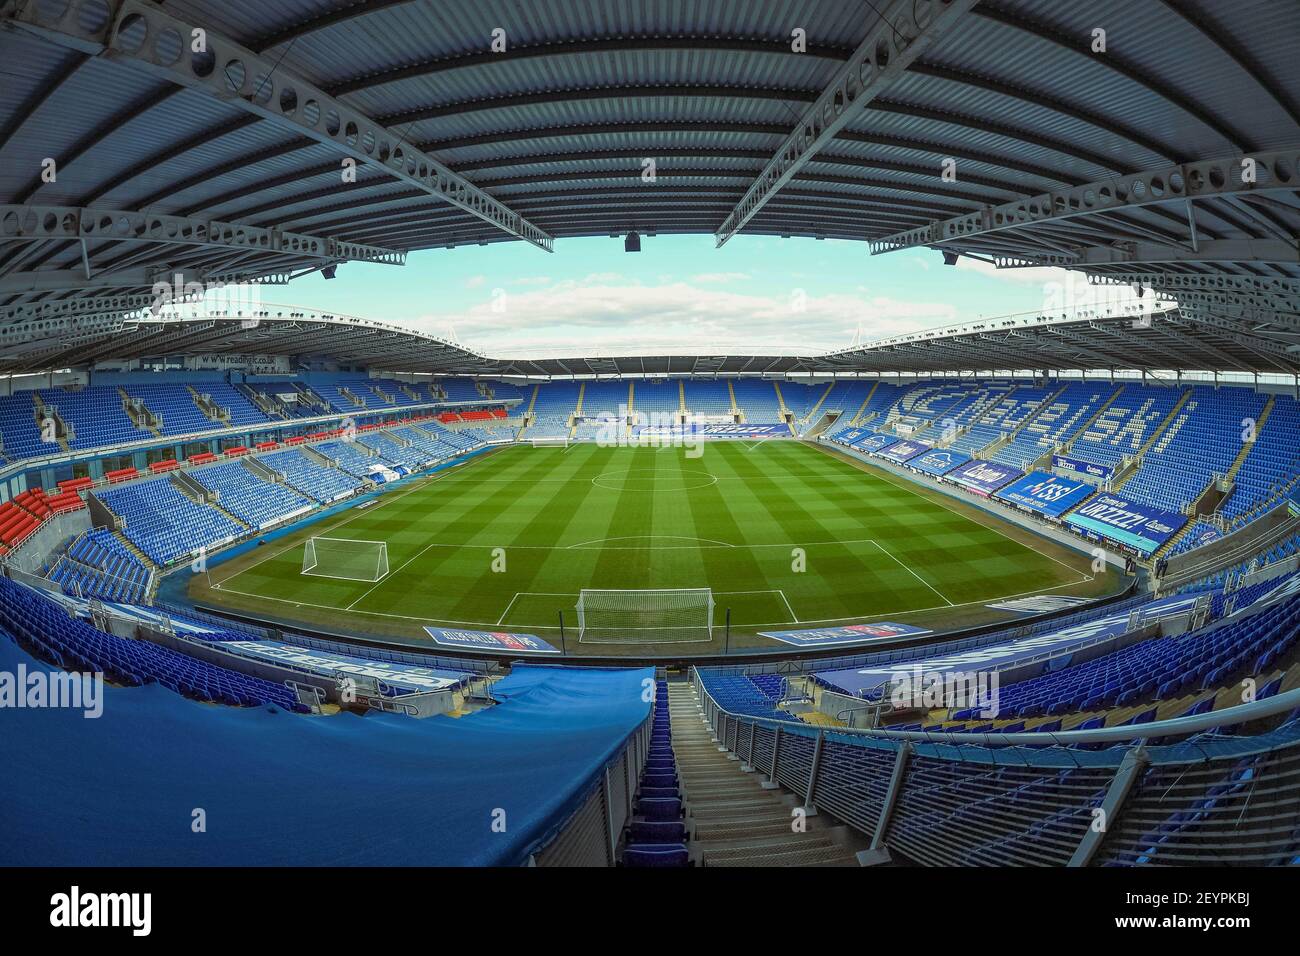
{"x":1063,"y":290}
{"x":1033,"y":275}
{"x":721,"y":277}
{"x":473,"y":282}
{"x":596,"y":314}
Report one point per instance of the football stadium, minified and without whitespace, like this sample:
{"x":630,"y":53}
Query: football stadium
{"x":874,"y":440}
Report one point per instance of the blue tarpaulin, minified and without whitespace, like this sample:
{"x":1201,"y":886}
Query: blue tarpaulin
{"x":280,"y":789}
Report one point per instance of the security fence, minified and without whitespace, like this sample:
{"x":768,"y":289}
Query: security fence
{"x":1173,"y":792}
{"x":590,"y":837}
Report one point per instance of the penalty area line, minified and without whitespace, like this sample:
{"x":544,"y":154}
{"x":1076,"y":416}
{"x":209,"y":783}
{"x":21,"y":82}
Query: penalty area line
{"x":508,"y":607}
{"x":887,"y":554}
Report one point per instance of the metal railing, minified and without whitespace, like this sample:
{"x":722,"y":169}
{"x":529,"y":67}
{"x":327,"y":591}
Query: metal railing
{"x":954,"y":799}
{"x":590,"y":836}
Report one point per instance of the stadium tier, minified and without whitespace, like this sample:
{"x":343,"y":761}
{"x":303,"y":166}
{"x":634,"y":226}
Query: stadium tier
{"x":804,"y":433}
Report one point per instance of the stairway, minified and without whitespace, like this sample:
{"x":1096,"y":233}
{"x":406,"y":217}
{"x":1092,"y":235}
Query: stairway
{"x":820,"y":402}
{"x":130,"y":546}
{"x":1249,"y":446}
{"x":631,"y":407}
{"x":1155,"y":436}
{"x":857,"y":416}
{"x":577,"y":410}
{"x":734,"y":819}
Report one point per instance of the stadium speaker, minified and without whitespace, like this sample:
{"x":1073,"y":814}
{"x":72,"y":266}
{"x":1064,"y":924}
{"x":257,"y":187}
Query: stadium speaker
{"x":632,"y":243}
{"x":950,"y":258}
{"x":328,"y":271}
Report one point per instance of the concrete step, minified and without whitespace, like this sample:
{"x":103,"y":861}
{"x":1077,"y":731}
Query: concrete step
{"x":792,"y":849}
{"x":755,"y":799}
{"x":717,"y":813}
{"x":730,"y":832}
{"x":734,"y":820}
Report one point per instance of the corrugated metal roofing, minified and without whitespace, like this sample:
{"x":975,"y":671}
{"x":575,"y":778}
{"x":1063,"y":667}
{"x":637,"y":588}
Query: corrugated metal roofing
{"x":557,"y":125}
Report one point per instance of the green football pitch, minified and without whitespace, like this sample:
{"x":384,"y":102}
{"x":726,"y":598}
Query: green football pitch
{"x":786,"y":536}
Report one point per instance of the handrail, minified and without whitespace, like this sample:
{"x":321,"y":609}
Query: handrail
{"x":1170,"y":727}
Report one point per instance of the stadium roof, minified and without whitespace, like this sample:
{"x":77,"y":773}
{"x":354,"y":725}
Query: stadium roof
{"x":1162,"y":337}
{"x":127,"y":158}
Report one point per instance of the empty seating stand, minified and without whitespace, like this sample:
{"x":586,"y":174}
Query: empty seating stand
{"x":165,"y":524}
{"x":97,"y":564}
{"x":321,"y":482}
{"x":656,"y":835}
{"x":256,"y":502}
{"x":47,"y":631}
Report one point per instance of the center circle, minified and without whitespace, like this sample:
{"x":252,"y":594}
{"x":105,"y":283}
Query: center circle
{"x":648,"y":479}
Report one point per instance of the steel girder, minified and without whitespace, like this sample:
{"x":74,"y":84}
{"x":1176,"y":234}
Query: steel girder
{"x":1273,"y":171}
{"x":41,"y":223}
{"x":900,"y":34}
{"x":1274,"y":251}
{"x":140,"y":35}
{"x":74,"y":280}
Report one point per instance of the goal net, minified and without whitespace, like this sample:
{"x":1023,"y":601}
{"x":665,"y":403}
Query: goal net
{"x":645,"y":616}
{"x":552,"y":441}
{"x":345,"y":558}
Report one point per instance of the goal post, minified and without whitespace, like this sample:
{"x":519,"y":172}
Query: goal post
{"x":607,"y":616}
{"x":345,"y":558}
{"x":551,"y":441}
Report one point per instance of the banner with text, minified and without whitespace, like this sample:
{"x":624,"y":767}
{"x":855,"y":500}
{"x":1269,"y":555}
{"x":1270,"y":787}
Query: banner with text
{"x":901,"y":451}
{"x":490,"y":641}
{"x":1045,"y":493}
{"x":938,"y":461}
{"x":1141,"y":526}
{"x":849,"y":634}
{"x":874,"y":442}
{"x":984,"y":477}
{"x":1083,"y":467}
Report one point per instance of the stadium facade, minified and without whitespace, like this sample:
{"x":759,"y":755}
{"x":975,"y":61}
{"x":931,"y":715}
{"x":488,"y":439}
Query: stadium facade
{"x":282,"y":511}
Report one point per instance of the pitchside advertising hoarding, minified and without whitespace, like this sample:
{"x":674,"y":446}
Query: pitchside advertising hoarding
{"x":848,"y":634}
{"x":1083,"y":467}
{"x":862,"y":681}
{"x":938,"y":462}
{"x":901,"y":451}
{"x":874,"y":442}
{"x":490,"y":641}
{"x":709,"y":431}
{"x":1140,"y":526}
{"x":1045,"y":493}
{"x":984,"y":477}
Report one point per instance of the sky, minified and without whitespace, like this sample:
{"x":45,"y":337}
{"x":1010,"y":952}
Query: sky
{"x":680,"y":294}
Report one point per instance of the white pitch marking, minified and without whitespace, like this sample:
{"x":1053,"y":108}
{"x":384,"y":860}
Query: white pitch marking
{"x":788,"y":607}
{"x":913,"y":573}
{"x":426,"y":619}
{"x":508,"y":607}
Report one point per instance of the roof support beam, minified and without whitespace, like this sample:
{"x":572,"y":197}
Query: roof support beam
{"x":137,"y":33}
{"x":1187,"y":182}
{"x":37,"y":223}
{"x":74,"y":280}
{"x":900,"y":35}
{"x":1215,"y":250}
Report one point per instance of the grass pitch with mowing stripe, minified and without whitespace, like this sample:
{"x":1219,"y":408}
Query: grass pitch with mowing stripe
{"x":785,"y":535}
